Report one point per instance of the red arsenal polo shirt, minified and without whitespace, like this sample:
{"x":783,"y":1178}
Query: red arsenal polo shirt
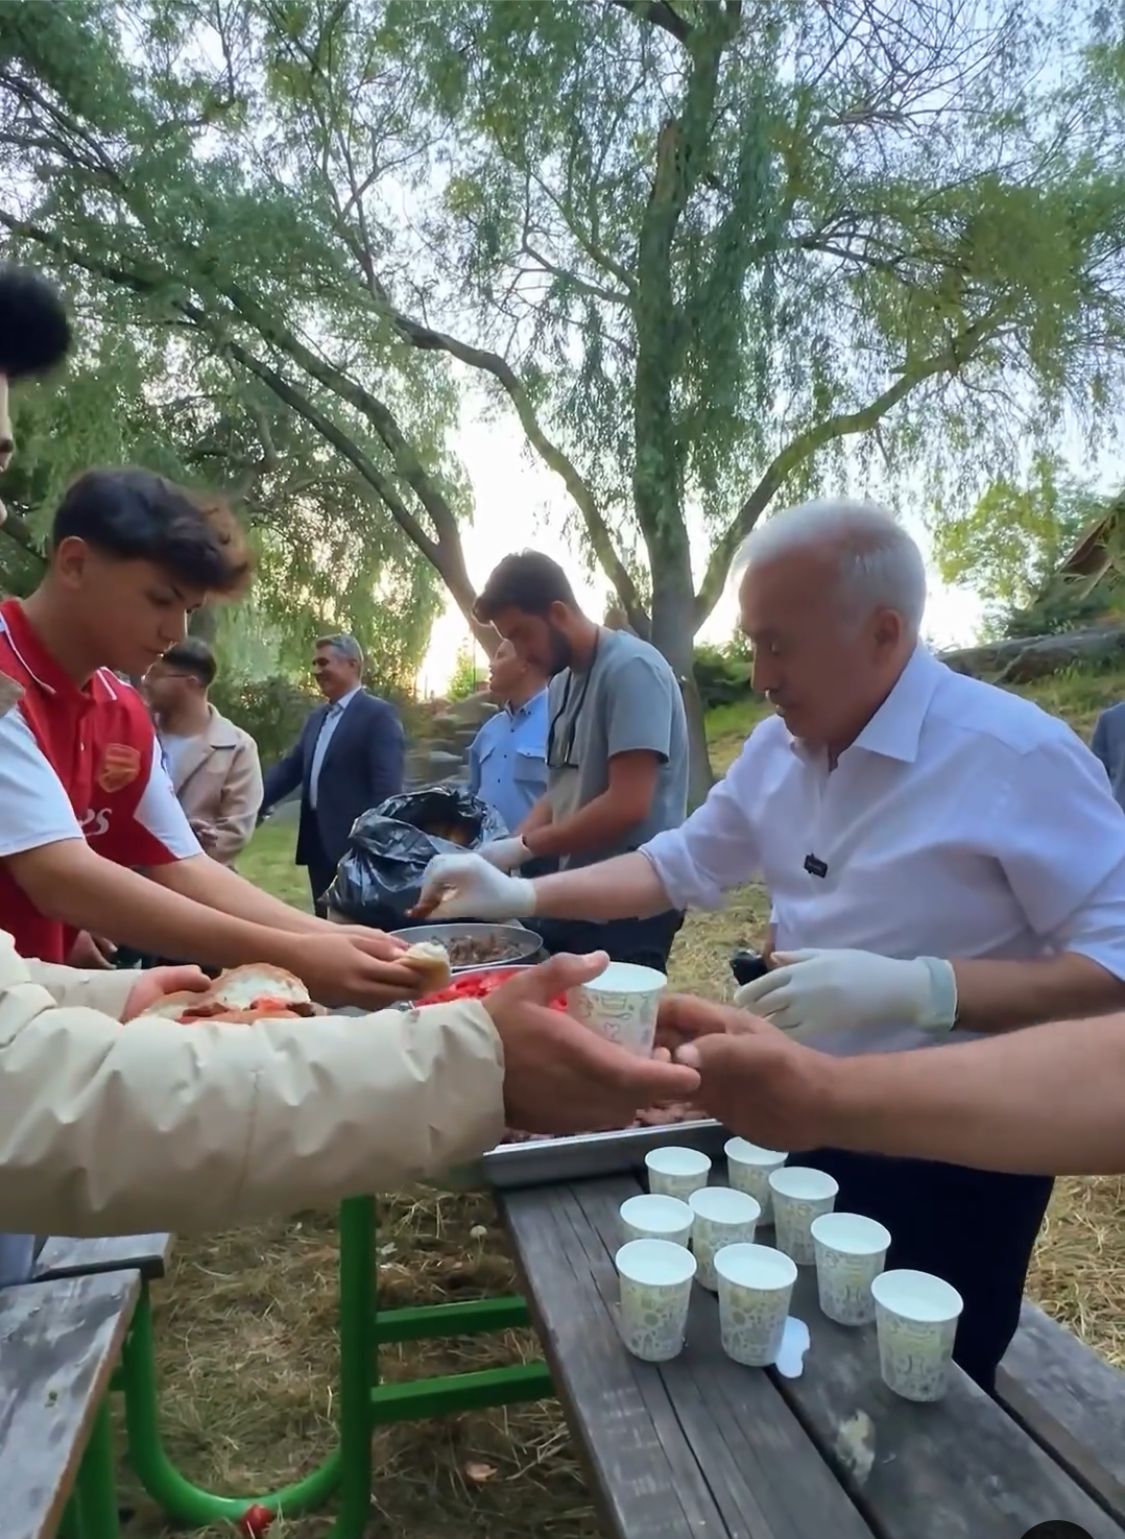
{"x":76,"y":763}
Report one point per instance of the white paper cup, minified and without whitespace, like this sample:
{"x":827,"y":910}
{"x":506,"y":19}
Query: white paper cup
{"x":749,"y":1168}
{"x":916,"y":1316}
{"x":722,"y":1217}
{"x":851,"y":1251}
{"x":655,"y":1218}
{"x":621,"y":1004}
{"x":655,"y":1292}
{"x":755,"y":1286}
{"x":676,"y":1172}
{"x":800,"y":1194}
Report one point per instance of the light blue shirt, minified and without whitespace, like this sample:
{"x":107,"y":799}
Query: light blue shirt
{"x":331,"y":722}
{"x":508,"y":760}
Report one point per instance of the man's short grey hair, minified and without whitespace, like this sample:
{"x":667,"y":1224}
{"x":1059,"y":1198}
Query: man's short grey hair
{"x":347,"y":646}
{"x":880,"y":566}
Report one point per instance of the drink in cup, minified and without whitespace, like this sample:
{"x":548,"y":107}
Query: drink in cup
{"x":755,"y":1286}
{"x":655,"y":1278}
{"x":916,"y":1318}
{"x":800,"y":1194}
{"x":722,"y":1217}
{"x":851,"y":1251}
{"x":621,"y":1004}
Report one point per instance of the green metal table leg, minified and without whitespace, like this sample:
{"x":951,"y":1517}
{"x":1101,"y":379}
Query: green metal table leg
{"x":358,"y":1367}
{"x":180,"y":1499}
{"x":96,"y":1488}
{"x":70,"y":1527}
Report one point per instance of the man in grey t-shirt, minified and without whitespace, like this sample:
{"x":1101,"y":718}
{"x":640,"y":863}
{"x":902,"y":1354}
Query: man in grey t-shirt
{"x":617,"y":761}
{"x":1108,"y":742}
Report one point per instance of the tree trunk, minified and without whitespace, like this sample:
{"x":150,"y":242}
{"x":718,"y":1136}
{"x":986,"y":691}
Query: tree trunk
{"x":204,"y":623}
{"x":1035,"y":657}
{"x":673,"y":619}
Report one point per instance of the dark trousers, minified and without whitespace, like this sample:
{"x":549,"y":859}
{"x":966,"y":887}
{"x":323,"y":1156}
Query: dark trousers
{"x":973,"y":1228}
{"x":645,"y":942}
{"x":321,"y":871}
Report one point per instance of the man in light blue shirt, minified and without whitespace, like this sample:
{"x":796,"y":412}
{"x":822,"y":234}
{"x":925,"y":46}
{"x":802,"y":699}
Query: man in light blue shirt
{"x":508,"y":758}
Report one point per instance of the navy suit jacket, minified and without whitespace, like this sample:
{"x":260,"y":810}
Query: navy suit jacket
{"x":363,"y":766}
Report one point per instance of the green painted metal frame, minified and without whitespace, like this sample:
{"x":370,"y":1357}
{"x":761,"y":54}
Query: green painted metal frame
{"x":364,"y":1402}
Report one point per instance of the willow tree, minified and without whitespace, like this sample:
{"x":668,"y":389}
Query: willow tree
{"x":696,"y":249}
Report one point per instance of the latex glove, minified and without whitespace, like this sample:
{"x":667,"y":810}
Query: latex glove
{"x":809,"y":992}
{"x":505,"y":854}
{"x":469,"y":887}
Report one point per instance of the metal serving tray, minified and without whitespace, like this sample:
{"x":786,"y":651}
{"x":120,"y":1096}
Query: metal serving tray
{"x":587,"y":1155}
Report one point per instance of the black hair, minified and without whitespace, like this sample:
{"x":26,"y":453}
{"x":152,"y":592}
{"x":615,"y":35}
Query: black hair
{"x":525,"y":580}
{"x":34,"y":330}
{"x":194,"y":656}
{"x":139,"y":516}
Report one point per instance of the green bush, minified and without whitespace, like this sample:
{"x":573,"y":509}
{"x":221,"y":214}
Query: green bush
{"x":272,"y":710}
{"x":722,"y":674}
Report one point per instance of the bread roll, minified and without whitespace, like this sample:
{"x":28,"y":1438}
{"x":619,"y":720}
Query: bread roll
{"x":431,"y":962}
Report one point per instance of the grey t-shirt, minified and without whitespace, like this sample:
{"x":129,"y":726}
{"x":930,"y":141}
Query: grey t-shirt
{"x":627,"y":700}
{"x":1108,"y":743}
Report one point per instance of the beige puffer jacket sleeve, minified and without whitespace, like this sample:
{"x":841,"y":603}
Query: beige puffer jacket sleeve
{"x":97,"y":990}
{"x":109,"y":1129}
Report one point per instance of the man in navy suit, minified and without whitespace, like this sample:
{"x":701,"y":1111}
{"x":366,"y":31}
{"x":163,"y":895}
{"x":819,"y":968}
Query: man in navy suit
{"x":348,"y":758}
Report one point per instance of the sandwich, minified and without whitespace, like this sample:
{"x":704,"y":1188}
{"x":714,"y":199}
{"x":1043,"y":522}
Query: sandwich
{"x":255,"y":992}
{"x":431,"y":962}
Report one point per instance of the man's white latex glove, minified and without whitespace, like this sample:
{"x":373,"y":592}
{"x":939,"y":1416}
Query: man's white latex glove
{"x":469,"y":887}
{"x":811,"y":992}
{"x":504,"y":854}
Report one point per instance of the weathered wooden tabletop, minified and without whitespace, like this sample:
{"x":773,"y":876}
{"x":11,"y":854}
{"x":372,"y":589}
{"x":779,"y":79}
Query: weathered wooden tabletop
{"x":59,"y":1344}
{"x":704,"y":1447}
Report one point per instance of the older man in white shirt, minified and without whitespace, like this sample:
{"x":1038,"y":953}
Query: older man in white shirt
{"x":943,"y":858}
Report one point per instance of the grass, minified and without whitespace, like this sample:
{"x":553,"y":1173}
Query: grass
{"x":246,"y":1319}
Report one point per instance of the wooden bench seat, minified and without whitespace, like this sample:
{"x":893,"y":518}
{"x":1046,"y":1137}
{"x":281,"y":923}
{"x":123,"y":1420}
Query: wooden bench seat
{"x":1071,"y":1400}
{"x":59,"y":1344}
{"x":65,"y":1256}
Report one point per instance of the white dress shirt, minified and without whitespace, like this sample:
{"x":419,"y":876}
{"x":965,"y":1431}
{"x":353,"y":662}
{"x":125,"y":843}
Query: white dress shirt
{"x":324,"y":737}
{"x":962,"y":822}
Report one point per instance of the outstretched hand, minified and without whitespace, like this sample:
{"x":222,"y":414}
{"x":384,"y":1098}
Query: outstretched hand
{"x":560,"y":1076}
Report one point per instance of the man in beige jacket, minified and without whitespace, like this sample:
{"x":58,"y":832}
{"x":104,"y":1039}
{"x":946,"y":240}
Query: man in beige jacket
{"x":212,"y":764}
{"x":108,"y":1128}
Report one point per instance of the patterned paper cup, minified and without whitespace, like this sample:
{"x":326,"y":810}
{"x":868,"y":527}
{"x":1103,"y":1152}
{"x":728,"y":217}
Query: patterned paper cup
{"x":655,"y":1281}
{"x":851,"y":1251}
{"x":755,"y":1286}
{"x":722,"y":1217}
{"x":749,"y":1168}
{"x":916,"y":1316}
{"x":621,"y":1004}
{"x":676,"y":1172}
{"x":800,"y":1194}
{"x":655,"y":1218}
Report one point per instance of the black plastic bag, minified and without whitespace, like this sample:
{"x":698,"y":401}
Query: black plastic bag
{"x":380,"y":878}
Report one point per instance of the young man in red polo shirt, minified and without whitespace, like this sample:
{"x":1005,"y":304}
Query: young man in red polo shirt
{"x":91,"y":834}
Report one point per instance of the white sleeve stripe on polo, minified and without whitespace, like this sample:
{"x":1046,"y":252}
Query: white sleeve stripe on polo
{"x":34,"y":807}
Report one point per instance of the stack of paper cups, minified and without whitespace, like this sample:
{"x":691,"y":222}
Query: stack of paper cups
{"x":800,"y":1194}
{"x":755,"y":1286}
{"x":656,"y":1281}
{"x":916,"y":1316}
{"x":722,"y":1217}
{"x":749,"y":1169}
{"x":851,"y":1251}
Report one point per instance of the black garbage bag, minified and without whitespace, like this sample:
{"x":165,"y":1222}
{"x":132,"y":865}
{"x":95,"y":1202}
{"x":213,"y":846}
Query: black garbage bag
{"x":380,"y":877}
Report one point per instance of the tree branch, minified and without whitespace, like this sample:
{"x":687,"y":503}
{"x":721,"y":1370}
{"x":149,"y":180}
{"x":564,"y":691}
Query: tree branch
{"x":660,"y":14}
{"x":844,"y":424}
{"x":425,"y":338}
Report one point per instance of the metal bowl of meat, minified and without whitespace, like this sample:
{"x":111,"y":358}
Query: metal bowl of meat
{"x":476,"y":947}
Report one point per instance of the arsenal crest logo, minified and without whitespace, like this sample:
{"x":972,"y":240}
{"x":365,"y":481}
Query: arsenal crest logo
{"x":120,"y":767}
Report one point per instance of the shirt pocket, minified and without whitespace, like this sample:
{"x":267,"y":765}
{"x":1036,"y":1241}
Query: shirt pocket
{"x":530,"y":768}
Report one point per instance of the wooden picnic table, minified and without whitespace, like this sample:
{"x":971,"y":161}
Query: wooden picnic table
{"x":59,"y":1343}
{"x":703,"y":1448}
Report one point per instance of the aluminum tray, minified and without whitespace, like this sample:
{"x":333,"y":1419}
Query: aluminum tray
{"x":587,"y":1155}
{"x":524,"y":944}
